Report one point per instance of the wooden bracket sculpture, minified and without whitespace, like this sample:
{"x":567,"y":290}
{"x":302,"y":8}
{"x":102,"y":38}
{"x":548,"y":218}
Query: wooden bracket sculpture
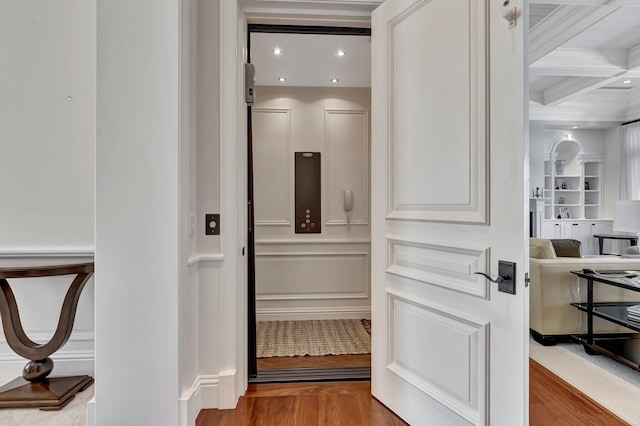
{"x":35,"y":389}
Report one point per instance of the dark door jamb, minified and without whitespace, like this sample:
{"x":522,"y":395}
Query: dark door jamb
{"x":359,"y":373}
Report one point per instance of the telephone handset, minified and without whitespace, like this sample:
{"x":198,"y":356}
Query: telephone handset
{"x":348,"y":200}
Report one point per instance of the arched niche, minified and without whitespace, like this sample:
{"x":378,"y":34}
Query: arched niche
{"x":569,"y":152}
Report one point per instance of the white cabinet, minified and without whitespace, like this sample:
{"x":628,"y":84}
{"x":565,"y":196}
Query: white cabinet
{"x":551,"y":230}
{"x":582,"y":230}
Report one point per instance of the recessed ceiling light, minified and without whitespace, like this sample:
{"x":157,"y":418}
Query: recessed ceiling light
{"x":276,"y":51}
{"x":340,"y":52}
{"x":334,"y":80}
{"x":574,"y":127}
{"x":282,"y":79}
{"x":626,"y":82}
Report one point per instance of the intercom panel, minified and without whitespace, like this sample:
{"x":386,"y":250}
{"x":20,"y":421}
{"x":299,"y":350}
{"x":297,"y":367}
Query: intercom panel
{"x":308,"y":201}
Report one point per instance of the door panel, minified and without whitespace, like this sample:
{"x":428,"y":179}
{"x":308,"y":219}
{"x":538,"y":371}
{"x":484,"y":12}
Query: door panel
{"x":448,"y":200}
{"x":461,"y":344}
{"x":452,"y":72}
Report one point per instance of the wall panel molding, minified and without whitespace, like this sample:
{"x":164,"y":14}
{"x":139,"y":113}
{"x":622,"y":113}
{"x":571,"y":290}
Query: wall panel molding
{"x":45,"y":335}
{"x":347,"y":151}
{"x":314,"y":313}
{"x":305,"y":280}
{"x":444,"y":264}
{"x":418,"y":361}
{"x":312,"y":242}
{"x":272,"y":167}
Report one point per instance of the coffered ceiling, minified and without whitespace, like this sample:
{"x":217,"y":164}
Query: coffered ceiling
{"x":584,"y":58}
{"x":584,"y":62}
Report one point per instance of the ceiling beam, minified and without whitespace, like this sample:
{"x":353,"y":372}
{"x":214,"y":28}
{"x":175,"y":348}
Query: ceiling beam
{"x":633,"y":112}
{"x":575,"y":87}
{"x":598,"y":106}
{"x":633,"y":60}
{"x":563,"y":24}
{"x":582,"y":63}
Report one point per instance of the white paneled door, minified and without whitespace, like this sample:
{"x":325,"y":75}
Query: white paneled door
{"x":448,"y":200}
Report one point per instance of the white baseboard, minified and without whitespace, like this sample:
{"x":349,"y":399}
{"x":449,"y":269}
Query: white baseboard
{"x":276,"y":314}
{"x":91,"y":412}
{"x":228,"y":394}
{"x":204,"y":393}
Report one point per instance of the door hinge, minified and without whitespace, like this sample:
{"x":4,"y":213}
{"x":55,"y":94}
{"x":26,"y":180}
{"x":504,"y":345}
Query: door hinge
{"x":527,"y":280}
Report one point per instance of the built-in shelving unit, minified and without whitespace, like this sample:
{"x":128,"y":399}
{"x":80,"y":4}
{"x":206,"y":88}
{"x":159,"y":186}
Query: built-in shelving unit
{"x":573,"y":189}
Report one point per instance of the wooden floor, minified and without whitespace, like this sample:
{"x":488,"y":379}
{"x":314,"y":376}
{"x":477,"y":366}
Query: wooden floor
{"x":304,"y":404}
{"x":552,"y":402}
{"x":331,"y":361}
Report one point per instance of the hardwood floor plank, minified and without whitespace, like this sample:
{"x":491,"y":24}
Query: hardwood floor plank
{"x":311,"y":388}
{"x":552,"y":401}
{"x":308,"y":404}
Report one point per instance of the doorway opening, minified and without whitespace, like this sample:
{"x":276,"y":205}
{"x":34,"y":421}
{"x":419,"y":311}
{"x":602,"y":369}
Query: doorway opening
{"x":308,"y":191}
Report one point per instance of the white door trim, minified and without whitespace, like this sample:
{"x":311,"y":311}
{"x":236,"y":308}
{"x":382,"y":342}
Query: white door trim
{"x":232,"y":308}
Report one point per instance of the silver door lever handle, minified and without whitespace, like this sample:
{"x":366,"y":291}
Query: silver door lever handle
{"x":497,"y":280}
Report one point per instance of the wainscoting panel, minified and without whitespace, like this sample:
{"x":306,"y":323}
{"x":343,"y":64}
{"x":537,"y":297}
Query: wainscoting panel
{"x":442,"y":264}
{"x":322,"y":280}
{"x":325,"y":275}
{"x":312,"y":276}
{"x":272,"y":166}
{"x":347,"y":165}
{"x":438,"y":152}
{"x":419,"y":361}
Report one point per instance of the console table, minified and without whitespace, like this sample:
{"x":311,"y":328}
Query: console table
{"x":601,"y":237}
{"x":34,"y":388}
{"x":623,"y":347}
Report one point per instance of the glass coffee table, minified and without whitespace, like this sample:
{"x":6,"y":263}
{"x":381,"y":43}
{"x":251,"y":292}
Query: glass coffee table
{"x":623,"y":347}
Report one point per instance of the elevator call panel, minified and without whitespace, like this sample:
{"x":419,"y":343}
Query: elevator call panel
{"x":308,"y":201}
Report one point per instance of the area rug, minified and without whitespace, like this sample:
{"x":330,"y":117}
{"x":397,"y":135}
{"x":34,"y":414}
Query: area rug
{"x":311,"y":337}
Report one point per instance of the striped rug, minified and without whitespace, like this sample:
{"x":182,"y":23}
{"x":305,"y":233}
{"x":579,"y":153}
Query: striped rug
{"x":311,"y":337}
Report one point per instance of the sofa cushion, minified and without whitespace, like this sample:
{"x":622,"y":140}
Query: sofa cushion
{"x":541,"y":248}
{"x":567,"y":248}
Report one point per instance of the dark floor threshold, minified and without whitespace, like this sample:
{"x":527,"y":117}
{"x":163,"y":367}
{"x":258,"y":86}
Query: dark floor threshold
{"x":312,"y":375}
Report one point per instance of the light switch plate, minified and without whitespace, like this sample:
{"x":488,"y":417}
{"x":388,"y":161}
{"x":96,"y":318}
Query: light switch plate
{"x":212,"y":224}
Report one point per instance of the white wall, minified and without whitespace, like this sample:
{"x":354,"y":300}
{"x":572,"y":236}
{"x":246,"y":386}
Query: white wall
{"x":208,"y":121}
{"x":537,"y":139}
{"x":312,"y":276}
{"x":47,"y":161}
{"x":138,"y":276}
{"x":47,"y":148}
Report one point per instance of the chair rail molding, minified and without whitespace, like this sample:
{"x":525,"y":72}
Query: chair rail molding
{"x":197,"y":258}
{"x":39,"y":252}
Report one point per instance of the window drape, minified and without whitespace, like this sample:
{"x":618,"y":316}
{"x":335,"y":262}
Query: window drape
{"x":630,"y":162}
